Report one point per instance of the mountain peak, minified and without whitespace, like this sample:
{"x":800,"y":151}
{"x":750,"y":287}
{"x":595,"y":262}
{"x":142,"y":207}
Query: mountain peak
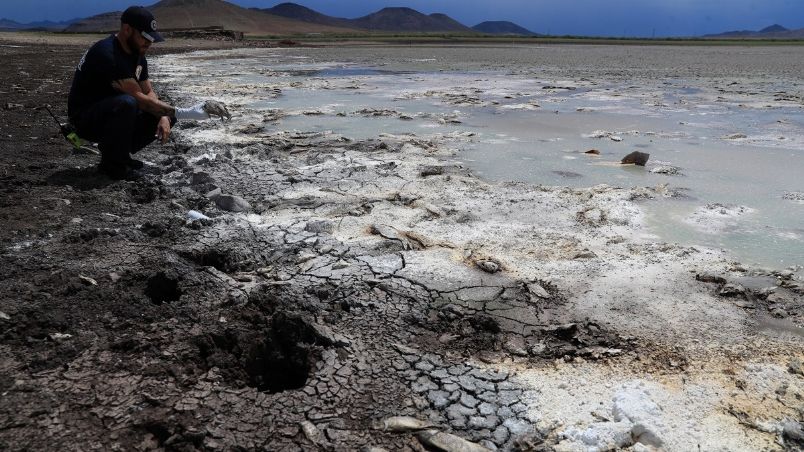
{"x":773,"y":29}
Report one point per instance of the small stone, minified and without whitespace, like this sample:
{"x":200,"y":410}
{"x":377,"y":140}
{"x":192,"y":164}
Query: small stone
{"x":732,"y":290}
{"x":320,"y":226}
{"x":592,"y":152}
{"x":584,"y":255}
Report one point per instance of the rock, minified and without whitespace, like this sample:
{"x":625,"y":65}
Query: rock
{"x":732,"y":290}
{"x":707,"y":278}
{"x":636,"y":158}
{"x":793,"y":433}
{"x":320,"y":226}
{"x":634,"y":404}
{"x":488,"y":266}
{"x":584,"y":255}
{"x":447,"y":442}
{"x":201,"y":177}
{"x":795,"y":367}
{"x":402,"y":424}
{"x":666,"y":169}
{"x":779,"y":313}
{"x":432,"y":170}
{"x":592,"y":152}
{"x":232,"y":203}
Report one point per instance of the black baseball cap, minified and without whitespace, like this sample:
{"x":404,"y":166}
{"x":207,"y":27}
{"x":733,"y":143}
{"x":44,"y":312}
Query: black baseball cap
{"x":143,"y":21}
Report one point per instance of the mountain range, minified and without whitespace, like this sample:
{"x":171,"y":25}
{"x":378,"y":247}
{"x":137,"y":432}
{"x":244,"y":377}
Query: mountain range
{"x":10,"y":25}
{"x":291,"y":18}
{"x":773,"y":31}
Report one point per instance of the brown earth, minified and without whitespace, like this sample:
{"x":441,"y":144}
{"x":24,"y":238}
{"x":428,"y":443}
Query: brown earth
{"x":124,"y":326}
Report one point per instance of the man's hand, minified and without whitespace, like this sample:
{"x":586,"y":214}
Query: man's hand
{"x":163,"y":129}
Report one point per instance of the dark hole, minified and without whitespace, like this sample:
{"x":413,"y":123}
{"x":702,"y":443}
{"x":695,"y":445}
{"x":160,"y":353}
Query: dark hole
{"x":276,"y":369}
{"x":162,"y":288}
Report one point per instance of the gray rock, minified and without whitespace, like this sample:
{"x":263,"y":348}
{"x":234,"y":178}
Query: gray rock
{"x":320,"y":226}
{"x":232,"y":203}
{"x":732,"y":290}
{"x":201,"y":177}
{"x":636,"y":158}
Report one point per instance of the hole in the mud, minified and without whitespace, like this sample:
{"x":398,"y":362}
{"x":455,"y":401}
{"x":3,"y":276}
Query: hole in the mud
{"x":273,"y":359}
{"x":275,"y":369}
{"x":162,"y":288}
{"x":225,"y":260}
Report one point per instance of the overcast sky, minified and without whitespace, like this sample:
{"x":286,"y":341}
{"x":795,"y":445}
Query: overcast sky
{"x":577,"y":17}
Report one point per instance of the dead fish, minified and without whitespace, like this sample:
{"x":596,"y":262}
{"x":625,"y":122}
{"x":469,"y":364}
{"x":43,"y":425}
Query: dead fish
{"x":312,"y":433}
{"x":488,"y":266}
{"x":448,"y":442}
{"x":215,"y":108}
{"x":402,"y":424}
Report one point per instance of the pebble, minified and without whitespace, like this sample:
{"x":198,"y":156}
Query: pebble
{"x":488,"y":266}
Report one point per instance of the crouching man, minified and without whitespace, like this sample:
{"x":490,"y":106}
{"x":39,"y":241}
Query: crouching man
{"x":112,"y":102}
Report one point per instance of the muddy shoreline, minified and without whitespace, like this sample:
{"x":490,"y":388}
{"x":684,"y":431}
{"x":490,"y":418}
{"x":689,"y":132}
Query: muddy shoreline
{"x":368,"y":279}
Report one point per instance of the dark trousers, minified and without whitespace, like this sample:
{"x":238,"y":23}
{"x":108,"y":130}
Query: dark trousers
{"x":119,"y":127}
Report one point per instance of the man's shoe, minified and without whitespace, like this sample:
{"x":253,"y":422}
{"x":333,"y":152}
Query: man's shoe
{"x":120,"y":172}
{"x":134,"y":163}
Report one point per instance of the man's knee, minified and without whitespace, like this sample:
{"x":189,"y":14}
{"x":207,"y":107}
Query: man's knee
{"x":125,"y":104}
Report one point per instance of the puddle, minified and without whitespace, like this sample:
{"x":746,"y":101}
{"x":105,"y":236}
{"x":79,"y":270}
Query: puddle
{"x":726,"y":149}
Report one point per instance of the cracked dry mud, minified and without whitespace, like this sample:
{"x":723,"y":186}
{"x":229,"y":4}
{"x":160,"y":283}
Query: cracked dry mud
{"x":370,"y":282}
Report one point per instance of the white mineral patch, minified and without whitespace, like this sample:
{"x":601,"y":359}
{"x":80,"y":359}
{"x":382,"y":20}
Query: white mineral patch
{"x":716,"y":218}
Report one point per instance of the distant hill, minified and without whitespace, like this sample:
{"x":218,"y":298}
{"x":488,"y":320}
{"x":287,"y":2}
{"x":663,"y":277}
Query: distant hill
{"x":502,"y":27}
{"x":10,"y":25}
{"x":305,"y":14}
{"x":401,"y":19}
{"x":774,"y":31}
{"x":387,"y":19}
{"x":184,"y":14}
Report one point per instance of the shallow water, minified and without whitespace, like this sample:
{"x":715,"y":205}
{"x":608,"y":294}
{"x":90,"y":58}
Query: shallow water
{"x":736,"y":149}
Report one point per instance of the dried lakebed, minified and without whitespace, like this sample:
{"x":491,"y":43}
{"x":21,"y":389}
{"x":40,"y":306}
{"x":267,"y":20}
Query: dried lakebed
{"x":500,"y":310}
{"x":374,"y":292}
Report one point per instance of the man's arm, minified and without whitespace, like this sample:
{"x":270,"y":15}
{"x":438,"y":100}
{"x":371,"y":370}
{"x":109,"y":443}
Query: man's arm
{"x":145,"y":95}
